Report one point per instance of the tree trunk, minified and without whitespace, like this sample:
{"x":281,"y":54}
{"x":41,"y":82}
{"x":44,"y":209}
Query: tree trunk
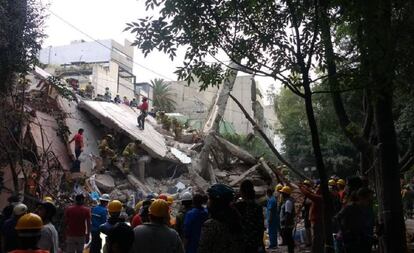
{"x":327,"y":200}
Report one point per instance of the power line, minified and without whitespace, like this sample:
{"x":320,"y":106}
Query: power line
{"x":97,"y":41}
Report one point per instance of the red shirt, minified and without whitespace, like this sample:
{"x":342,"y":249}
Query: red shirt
{"x":78,"y":140}
{"x":143,"y":106}
{"x":76,"y":218}
{"x":136,"y":221}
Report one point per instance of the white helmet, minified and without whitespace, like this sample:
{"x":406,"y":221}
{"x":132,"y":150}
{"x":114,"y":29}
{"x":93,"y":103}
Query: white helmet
{"x":187,"y":196}
{"x":19,"y":209}
{"x":105,"y":197}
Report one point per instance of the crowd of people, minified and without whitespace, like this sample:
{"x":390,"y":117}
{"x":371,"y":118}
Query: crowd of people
{"x":216,"y":222}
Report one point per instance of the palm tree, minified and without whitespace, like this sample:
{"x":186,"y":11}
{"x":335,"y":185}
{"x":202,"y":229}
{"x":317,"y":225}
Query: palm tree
{"x":163,"y":96}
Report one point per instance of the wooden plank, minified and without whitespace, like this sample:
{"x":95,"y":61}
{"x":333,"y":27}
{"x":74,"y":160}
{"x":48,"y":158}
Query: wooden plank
{"x":244,"y":175}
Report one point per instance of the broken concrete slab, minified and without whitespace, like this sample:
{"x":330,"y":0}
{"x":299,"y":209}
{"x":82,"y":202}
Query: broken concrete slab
{"x":76,"y":119}
{"x":43,"y":130}
{"x":105,"y":182}
{"x":124,"y":118}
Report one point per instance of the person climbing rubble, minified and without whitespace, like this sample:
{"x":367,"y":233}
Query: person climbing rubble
{"x":106,"y":151}
{"x":77,"y":218}
{"x":8,"y":230}
{"x":99,"y":217}
{"x":156,"y":236}
{"x":125,"y":101}
{"x":117,"y":99}
{"x":287,"y":218}
{"x":49,"y":238}
{"x":135,"y":159}
{"x":133,"y":103}
{"x":107,"y":95}
{"x":143,"y":107}
{"x":28,"y":229}
{"x":79,"y":144}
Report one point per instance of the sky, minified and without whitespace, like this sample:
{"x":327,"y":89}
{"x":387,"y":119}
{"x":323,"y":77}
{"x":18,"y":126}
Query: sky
{"x":106,"y":19}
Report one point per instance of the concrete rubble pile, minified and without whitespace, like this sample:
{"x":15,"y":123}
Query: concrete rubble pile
{"x":172,"y":165}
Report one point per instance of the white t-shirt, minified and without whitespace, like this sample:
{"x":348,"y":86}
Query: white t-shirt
{"x":49,"y":239}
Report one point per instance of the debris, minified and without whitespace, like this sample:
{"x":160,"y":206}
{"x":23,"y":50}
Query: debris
{"x":181,"y":156}
{"x":244,"y":175}
{"x":105,"y":182}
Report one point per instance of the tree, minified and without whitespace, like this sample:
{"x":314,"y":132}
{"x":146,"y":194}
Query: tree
{"x":278,"y":39}
{"x":339,"y":154}
{"x":163,"y":96}
{"x":21,"y":35}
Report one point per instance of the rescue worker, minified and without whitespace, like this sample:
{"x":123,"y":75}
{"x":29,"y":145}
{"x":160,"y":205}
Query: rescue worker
{"x":335,"y":196}
{"x":49,"y":238}
{"x":9,"y":233}
{"x":252,"y":216}
{"x":77,"y":218}
{"x":125,"y":101}
{"x":307,"y":203}
{"x":99,"y":217}
{"x":106,"y":151}
{"x":186,"y":205}
{"x":156,"y":236}
{"x":120,"y":238}
{"x":193,"y":221}
{"x":143,"y":107}
{"x":287,"y":218}
{"x":341,"y":189}
{"x":136,"y":219}
{"x":79,"y":144}
{"x":134,"y":155}
{"x":114,"y":210}
{"x":223,"y":231}
{"x":272,"y":218}
{"x":315,"y":216}
{"x":28,"y":229}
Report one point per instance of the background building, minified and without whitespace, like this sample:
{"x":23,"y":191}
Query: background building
{"x":101,"y":63}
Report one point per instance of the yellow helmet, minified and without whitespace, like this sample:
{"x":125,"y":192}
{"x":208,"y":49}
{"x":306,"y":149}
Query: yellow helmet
{"x":160,"y":208}
{"x":138,"y":205}
{"x":170,"y":200}
{"x":115,"y":206}
{"x":29,"y":221}
{"x":286,"y":189}
{"x":307,"y":182}
{"x":48,"y":199}
{"x":340,"y":182}
{"x":278,"y":187}
{"x":331,"y":182}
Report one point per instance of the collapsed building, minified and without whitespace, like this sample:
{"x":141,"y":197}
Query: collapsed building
{"x":190,"y":159}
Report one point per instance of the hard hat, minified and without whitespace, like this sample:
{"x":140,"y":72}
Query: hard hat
{"x":340,"y":182}
{"x":278,"y":187}
{"x":160,"y":208}
{"x":221,"y":192}
{"x":331,"y":182}
{"x":115,"y":206}
{"x":105,"y":197}
{"x":29,"y":221}
{"x":48,"y":199}
{"x":138,"y":205}
{"x":307,"y":182}
{"x":187,"y":196}
{"x":163,"y":196}
{"x":19,"y":209}
{"x":170,"y":200}
{"x":286,"y":189}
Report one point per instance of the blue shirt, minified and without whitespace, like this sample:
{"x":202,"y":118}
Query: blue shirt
{"x":271,"y":209}
{"x":193,"y":221}
{"x":99,"y":217}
